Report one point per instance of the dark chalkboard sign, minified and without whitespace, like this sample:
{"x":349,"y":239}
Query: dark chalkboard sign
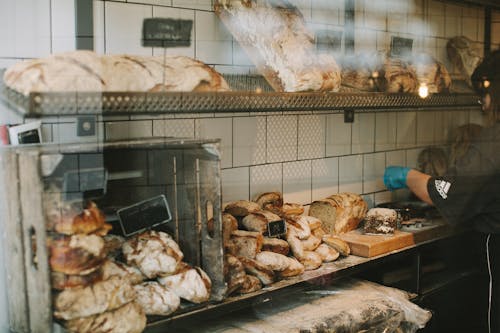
{"x":144,"y":215}
{"x":401,"y":47}
{"x":166,"y":32}
{"x":276,"y":228}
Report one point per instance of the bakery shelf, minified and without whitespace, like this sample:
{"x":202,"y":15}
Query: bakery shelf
{"x":129,"y":103}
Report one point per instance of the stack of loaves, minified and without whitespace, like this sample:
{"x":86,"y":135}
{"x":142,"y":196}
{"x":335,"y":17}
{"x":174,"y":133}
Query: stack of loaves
{"x":86,"y":297}
{"x":86,"y":71}
{"x":106,"y":283}
{"x":251,"y":253}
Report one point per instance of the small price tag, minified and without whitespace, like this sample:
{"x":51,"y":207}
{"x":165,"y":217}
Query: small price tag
{"x":144,"y":215}
{"x":276,"y":228}
{"x":166,"y":32}
{"x":401,"y":47}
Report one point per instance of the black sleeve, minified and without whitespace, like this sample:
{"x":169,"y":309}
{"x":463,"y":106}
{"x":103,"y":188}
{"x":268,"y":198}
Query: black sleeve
{"x":461,"y":199}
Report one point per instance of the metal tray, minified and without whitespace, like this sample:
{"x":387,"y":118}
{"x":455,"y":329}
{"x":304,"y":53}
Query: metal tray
{"x":257,"y":97}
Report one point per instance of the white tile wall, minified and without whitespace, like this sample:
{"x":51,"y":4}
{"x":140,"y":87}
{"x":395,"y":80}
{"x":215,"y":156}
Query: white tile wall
{"x":325,"y":177}
{"x":311,"y":136}
{"x":281,"y":138}
{"x":63,"y":26}
{"x":406,"y":129}
{"x":213,"y":41}
{"x":373,"y":171}
{"x":351,"y":173}
{"x":123,"y":28}
{"x":194,"y":4}
{"x":221,"y":128}
{"x":175,"y":13}
{"x":338,"y":135}
{"x":297,"y":182}
{"x":249,"y":141}
{"x":385,"y":130}
{"x":425,"y":128}
{"x":236,"y":184}
{"x":363,"y":133}
{"x":264,"y":178}
{"x":178,"y":128}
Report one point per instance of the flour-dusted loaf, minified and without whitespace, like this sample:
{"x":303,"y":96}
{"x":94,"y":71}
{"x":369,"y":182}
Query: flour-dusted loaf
{"x":94,"y":299}
{"x":258,"y":221}
{"x":338,"y":244}
{"x":250,"y":284}
{"x":191,"y":284}
{"x":156,"y":299}
{"x":62,"y":281}
{"x":234,"y":273}
{"x":241,"y":208}
{"x":115,"y":268}
{"x":339,"y":213}
{"x":262,"y":272}
{"x":294,"y":268}
{"x":129,"y":318}
{"x":276,"y":245}
{"x":273,"y":261}
{"x":380,"y":221}
{"x":276,"y":39}
{"x":400,"y":76}
{"x":327,"y":252}
{"x":86,"y":71}
{"x":155,"y":253}
{"x":229,"y":224}
{"x":245,"y":243}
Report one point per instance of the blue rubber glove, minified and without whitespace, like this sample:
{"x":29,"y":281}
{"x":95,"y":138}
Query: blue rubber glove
{"x":395,"y":177}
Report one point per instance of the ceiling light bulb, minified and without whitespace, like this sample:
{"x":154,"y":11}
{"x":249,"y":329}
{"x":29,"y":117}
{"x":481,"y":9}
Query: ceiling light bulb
{"x":486,"y":84}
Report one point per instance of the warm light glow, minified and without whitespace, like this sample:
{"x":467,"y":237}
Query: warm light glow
{"x":486,"y":84}
{"x":375,"y":74}
{"x":423,"y":90}
{"x":258,"y":90}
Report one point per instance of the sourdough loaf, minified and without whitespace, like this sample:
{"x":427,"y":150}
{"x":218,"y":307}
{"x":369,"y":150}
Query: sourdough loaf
{"x":276,"y":39}
{"x":339,"y":213}
{"x":86,"y":71}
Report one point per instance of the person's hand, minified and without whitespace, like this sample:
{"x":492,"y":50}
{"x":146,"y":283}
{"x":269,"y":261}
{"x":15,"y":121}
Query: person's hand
{"x":395,"y":177}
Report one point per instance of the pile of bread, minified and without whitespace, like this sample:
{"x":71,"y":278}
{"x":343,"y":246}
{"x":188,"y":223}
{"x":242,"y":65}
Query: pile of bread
{"x":106,"y":283}
{"x":253,"y":259}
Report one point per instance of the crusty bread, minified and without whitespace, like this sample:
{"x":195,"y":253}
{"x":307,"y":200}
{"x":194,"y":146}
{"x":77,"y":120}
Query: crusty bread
{"x":282,"y":48}
{"x":111,"y":321}
{"x":250,"y":284}
{"x":339,"y":213}
{"x":115,"y":268}
{"x":400,"y":76}
{"x":311,"y":260}
{"x":154,"y":253}
{"x":253,"y":267}
{"x":241,"y":208}
{"x":273,"y":261}
{"x":76,"y":254}
{"x":465,"y":56}
{"x":311,"y":243}
{"x":275,"y":245}
{"x":85,"y":71}
{"x":229,"y":224}
{"x":327,"y":252}
{"x":62,"y":281}
{"x":90,"y":220}
{"x":191,"y":284}
{"x":97,"y":298}
{"x":258,"y":221}
{"x":156,"y":299}
{"x":245,"y":243}
{"x":294,"y":268}
{"x":338,"y":244}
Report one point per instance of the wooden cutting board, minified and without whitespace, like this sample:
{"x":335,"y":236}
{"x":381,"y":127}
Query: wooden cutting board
{"x":373,"y":245}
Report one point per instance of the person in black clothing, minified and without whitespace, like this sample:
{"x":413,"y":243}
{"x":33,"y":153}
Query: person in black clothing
{"x":471,"y":193}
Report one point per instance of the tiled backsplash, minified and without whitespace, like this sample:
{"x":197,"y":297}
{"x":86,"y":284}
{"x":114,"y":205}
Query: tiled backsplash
{"x":304,"y":154}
